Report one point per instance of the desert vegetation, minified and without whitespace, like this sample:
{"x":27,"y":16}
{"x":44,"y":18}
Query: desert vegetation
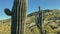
{"x":51,"y":19}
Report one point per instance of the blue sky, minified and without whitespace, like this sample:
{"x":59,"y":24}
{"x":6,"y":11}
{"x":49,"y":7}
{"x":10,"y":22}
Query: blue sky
{"x":32,"y":6}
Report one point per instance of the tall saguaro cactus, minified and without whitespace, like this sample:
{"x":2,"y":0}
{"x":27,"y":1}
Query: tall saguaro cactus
{"x":18,"y":15}
{"x":40,"y":21}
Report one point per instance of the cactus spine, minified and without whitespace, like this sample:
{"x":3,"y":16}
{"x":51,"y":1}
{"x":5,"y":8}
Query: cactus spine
{"x":18,"y":15}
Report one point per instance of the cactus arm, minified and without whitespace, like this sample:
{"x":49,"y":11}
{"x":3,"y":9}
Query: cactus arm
{"x":7,"y":11}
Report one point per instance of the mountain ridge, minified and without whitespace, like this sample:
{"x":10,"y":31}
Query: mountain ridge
{"x":51,"y":22}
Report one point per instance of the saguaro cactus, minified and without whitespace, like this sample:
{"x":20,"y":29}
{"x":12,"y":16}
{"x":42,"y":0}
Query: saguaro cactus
{"x":18,"y":15}
{"x":40,"y":21}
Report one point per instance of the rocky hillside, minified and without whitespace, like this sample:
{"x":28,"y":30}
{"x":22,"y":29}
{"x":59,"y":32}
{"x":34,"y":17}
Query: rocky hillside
{"x":51,"y":23}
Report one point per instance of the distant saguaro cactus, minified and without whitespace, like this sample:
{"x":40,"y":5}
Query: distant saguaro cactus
{"x":18,"y":15}
{"x":40,"y":21}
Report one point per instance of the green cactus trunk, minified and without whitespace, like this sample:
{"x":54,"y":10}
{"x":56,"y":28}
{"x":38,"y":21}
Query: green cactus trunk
{"x":40,"y":21}
{"x":18,"y":15}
